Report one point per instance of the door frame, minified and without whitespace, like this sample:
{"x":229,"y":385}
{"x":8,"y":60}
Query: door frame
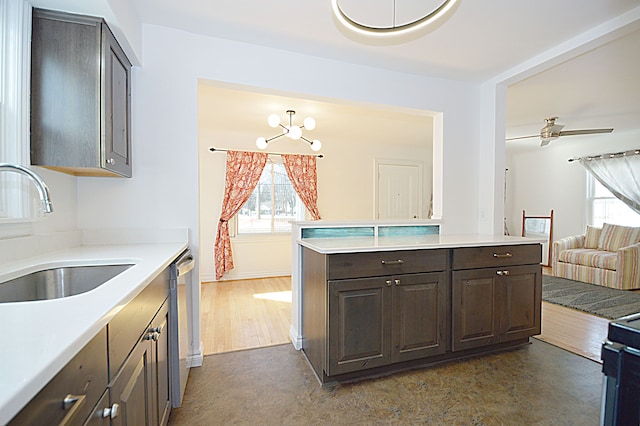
{"x":395,"y":162}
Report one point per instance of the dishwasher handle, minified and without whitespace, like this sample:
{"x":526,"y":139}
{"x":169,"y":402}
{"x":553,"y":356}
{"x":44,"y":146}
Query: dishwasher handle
{"x":185,"y":263}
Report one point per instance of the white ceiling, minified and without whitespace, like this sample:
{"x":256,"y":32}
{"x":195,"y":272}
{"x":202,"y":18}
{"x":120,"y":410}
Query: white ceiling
{"x":476,"y":41}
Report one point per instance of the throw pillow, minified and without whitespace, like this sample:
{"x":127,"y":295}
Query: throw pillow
{"x":614,"y":237}
{"x":592,"y":237}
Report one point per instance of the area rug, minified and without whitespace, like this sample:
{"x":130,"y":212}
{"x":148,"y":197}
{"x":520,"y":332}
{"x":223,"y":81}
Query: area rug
{"x":593,"y":299}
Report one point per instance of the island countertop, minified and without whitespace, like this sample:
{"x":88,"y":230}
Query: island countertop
{"x":418,"y":242}
{"x":40,"y":337}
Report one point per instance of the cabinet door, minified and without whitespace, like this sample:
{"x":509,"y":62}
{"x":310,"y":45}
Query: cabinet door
{"x":116,"y":87}
{"x":161,"y":365}
{"x":132,"y":388}
{"x":521,"y":297}
{"x":359,"y":324}
{"x":474,"y":315}
{"x":420,"y":316}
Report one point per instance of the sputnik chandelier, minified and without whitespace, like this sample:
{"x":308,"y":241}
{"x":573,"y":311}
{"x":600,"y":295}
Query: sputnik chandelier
{"x":292,"y":131}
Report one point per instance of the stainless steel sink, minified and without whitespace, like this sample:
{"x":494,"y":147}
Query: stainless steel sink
{"x":58,"y":282}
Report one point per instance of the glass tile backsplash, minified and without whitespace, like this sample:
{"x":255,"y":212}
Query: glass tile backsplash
{"x":367,"y":231}
{"x":403,"y":231}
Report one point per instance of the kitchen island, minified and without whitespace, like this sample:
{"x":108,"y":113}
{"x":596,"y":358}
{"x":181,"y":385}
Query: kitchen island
{"x":39,"y":338}
{"x":378,"y":304}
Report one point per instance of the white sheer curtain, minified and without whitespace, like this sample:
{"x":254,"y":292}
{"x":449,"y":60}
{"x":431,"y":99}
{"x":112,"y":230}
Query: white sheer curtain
{"x":619,"y":173}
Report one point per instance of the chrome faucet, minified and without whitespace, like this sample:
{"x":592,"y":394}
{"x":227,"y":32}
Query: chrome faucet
{"x":42,"y":188}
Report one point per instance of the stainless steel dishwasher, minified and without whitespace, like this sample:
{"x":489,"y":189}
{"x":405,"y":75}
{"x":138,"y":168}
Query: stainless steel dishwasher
{"x":179,"y":321}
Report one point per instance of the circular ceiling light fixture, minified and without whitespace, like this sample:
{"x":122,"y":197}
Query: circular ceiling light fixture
{"x":393,"y":29}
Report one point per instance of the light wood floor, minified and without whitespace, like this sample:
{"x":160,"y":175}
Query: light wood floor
{"x":255,"y":313}
{"x":245,"y":314}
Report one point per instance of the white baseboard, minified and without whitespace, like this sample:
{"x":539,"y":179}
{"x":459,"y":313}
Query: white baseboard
{"x":205,"y":278}
{"x":296,"y":340}
{"x":195,"y":360}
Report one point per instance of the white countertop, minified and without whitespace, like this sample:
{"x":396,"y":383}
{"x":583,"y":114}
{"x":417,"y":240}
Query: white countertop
{"x":420,"y":242}
{"x":38,"y":338}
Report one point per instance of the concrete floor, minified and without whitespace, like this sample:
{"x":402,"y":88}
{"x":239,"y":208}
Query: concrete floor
{"x":538,"y":384}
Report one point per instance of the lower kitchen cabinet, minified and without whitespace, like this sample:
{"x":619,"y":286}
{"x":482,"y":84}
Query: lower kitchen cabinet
{"x":70,"y":395}
{"x":366,"y":313}
{"x":121,"y":377}
{"x":421,"y":315}
{"x":354,"y":324}
{"x":359,"y":324}
{"x":495,"y":305}
{"x":382,"y":320}
{"x":141,"y":388}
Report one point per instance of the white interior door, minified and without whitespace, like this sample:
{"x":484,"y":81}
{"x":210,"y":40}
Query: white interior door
{"x":399,"y":190}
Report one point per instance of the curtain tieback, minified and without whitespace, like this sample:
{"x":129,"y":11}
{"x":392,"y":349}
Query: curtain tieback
{"x":223,"y":220}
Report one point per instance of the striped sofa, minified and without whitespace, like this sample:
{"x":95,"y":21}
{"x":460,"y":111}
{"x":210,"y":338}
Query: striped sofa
{"x":607,"y":256}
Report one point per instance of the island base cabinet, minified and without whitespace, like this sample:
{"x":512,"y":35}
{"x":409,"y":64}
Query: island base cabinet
{"x":495,"y":305}
{"x":359,"y":324}
{"x":421,"y":317}
{"x":383,"y":320}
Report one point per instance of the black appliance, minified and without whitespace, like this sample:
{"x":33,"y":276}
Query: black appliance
{"x":621,"y":367}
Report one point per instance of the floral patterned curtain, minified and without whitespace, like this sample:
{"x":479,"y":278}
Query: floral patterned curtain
{"x":302,"y":174}
{"x":242,"y":176}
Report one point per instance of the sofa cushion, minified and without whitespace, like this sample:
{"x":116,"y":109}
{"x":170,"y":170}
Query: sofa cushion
{"x":614,"y":237}
{"x":589,"y":257}
{"x":592,"y":237}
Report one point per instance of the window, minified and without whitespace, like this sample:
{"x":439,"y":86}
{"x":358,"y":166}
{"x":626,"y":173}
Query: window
{"x":272,"y":204}
{"x":605,"y":208}
{"x":15,"y":29}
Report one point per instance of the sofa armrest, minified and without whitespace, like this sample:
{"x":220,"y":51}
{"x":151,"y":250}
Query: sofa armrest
{"x":629,"y":267}
{"x":575,"y":241}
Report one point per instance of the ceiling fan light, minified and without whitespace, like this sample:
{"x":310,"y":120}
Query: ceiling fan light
{"x":261,"y":143}
{"x":273,"y":120}
{"x":316,"y":145}
{"x":309,"y":123}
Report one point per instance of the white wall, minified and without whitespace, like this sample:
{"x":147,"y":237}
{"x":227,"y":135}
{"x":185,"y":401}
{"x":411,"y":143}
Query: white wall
{"x":541,"y":179}
{"x":345,"y":173}
{"x":163,"y":191}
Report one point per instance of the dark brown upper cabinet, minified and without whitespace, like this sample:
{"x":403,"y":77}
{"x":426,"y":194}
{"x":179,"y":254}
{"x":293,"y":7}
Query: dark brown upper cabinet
{"x":80,"y":96}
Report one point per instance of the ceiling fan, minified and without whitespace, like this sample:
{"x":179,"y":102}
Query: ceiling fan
{"x":553,"y":131}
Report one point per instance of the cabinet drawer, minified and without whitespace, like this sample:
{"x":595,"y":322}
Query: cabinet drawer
{"x":488,"y":257}
{"x":131,"y":322}
{"x":84,"y":377}
{"x":375,"y":264}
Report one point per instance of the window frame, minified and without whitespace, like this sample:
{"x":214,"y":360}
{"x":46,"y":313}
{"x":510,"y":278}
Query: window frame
{"x":16,"y":213}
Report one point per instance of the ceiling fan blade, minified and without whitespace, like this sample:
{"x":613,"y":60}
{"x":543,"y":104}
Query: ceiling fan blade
{"x":522,"y":137}
{"x":584,"y":132}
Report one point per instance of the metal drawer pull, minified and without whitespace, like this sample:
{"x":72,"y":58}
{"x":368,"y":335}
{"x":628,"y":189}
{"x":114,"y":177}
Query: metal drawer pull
{"x":388,"y":283}
{"x":397,"y":282}
{"x":502,"y":272}
{"x":73,"y":404}
{"x":393,"y":262}
{"x":502,"y":256}
{"x":111,"y":412}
